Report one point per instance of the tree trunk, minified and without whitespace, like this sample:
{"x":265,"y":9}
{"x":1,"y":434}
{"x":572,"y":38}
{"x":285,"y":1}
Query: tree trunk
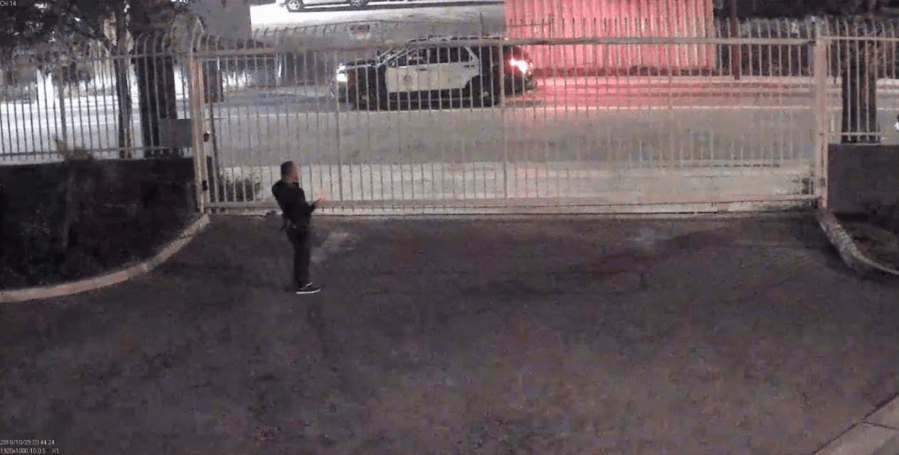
{"x":123,"y":86}
{"x":156,"y":86}
{"x":859,"y":93}
{"x":155,"y":71}
{"x":123,"y":98}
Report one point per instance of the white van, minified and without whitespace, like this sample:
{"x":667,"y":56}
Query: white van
{"x":298,"y":5}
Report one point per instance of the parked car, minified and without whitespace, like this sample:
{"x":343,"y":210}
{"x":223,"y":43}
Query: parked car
{"x":441,"y":69}
{"x":298,"y":5}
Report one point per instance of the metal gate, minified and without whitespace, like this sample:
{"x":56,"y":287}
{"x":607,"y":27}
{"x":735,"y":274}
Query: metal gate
{"x":603,"y":137}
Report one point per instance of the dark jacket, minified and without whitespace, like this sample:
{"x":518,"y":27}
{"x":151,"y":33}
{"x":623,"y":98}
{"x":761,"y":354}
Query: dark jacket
{"x":292,"y":200}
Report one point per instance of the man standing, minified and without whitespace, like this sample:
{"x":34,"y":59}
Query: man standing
{"x":297,"y":214}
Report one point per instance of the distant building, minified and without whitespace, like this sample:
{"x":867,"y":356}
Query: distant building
{"x":227,"y":19}
{"x":615,"y":18}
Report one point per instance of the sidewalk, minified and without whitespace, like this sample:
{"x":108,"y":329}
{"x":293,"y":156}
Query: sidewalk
{"x":574,"y":335}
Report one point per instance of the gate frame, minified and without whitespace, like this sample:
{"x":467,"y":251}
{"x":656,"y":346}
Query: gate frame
{"x":198,"y":128}
{"x":816,"y":189}
{"x":821,"y":70}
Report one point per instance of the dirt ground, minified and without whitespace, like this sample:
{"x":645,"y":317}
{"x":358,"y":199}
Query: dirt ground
{"x":464,"y":336}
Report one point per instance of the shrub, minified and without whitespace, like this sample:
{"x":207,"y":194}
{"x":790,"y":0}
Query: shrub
{"x":244,"y":189}
{"x":78,"y":218}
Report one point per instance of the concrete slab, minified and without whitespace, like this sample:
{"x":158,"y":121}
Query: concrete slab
{"x":862,"y":439}
{"x":887,"y":416}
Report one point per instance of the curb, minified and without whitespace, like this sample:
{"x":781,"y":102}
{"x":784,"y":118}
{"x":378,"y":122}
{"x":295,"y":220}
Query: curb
{"x":876,"y":434}
{"x":109,"y":279}
{"x":849,"y":251}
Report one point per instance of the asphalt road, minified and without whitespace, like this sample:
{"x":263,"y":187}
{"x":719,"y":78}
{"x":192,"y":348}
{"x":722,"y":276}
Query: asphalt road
{"x":482,"y":336}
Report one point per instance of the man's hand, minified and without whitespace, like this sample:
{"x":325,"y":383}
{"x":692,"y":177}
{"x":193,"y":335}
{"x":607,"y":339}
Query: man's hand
{"x":319,"y":198}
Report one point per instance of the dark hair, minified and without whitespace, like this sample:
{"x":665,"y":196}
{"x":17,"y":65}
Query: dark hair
{"x":286,"y":168}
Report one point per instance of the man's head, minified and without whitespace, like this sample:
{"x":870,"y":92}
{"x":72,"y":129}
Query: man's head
{"x":290,"y":172}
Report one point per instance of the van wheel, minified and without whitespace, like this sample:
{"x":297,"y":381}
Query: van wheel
{"x":478,"y":96}
{"x":375,"y":101}
{"x":358,"y":3}
{"x":295,"y":6}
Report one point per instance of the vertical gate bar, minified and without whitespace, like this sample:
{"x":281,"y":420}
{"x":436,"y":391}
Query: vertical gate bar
{"x":434,"y":55}
{"x":18,"y":133}
{"x":559,"y":74}
{"x":790,"y":153}
{"x":234,"y":139}
{"x":266,"y":163}
{"x":618,"y":88}
{"x":767,"y":51}
{"x":399,"y":146}
{"x":383,"y":116}
{"x":368,"y":130}
{"x":478,"y":159}
{"x":243,"y":127}
{"x":301,"y":119}
{"x":352,"y":118}
{"x":607,"y":82}
{"x":6,"y":139}
{"x":339,"y":145}
{"x":405,"y":148}
{"x":856,"y":130}
{"x":319,"y":137}
{"x":195,"y":96}
{"x":247,"y":168}
{"x":819,"y":87}
{"x":261,"y":123}
{"x":214,"y":190}
{"x":353,"y":150}
{"x":28,"y":121}
{"x":593,"y":100}
{"x":727,"y":95}
{"x":668,"y":150}
{"x":564,"y":156}
{"x":6,"y":135}
{"x":502,"y":107}
{"x":442,"y":53}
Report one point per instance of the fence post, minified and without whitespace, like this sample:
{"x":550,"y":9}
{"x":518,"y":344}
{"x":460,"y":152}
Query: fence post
{"x":196,"y":92}
{"x":820,"y":74}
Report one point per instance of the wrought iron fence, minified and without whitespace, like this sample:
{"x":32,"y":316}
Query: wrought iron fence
{"x":92,"y":100}
{"x":601,"y":116}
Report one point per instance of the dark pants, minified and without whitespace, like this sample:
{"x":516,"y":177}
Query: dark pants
{"x":301,"y":239}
